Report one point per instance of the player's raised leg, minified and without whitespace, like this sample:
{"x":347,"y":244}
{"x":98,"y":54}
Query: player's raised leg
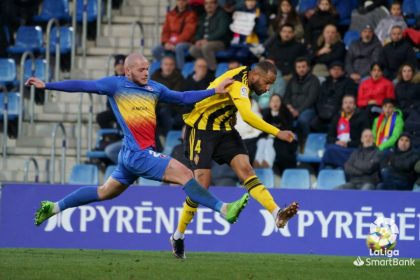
{"x":178,"y":173}
{"x":81,"y":196}
{"x":243,"y":169}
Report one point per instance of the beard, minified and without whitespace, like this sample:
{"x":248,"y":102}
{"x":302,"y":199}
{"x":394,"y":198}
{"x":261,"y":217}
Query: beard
{"x":255,"y":88}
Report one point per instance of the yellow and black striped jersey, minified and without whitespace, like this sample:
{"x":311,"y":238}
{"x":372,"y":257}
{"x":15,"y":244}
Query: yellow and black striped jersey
{"x":218,"y":112}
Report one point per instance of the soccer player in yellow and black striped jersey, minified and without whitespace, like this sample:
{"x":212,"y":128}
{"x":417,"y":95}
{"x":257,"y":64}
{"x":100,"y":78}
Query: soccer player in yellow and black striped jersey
{"x":210,"y":135}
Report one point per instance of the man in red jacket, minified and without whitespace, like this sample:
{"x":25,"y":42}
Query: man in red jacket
{"x":177,"y":33}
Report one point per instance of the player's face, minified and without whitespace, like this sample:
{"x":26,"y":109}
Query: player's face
{"x":367,"y":138}
{"x":139,"y":72}
{"x":404,"y":144}
{"x":262,"y":82}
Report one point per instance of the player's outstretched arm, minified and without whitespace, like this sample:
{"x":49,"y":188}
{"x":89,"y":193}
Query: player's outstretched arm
{"x":102,"y":86}
{"x":191,"y":97}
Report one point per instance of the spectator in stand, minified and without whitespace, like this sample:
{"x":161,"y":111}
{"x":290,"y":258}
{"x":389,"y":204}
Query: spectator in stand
{"x":383,"y":30}
{"x":284,"y":50}
{"x":200,"y":79}
{"x":344,"y":133}
{"x":287,"y":14}
{"x":167,"y":116}
{"x":301,"y":94}
{"x":177,"y":33}
{"x":369,"y":12}
{"x":259,"y":31}
{"x":412,"y":126}
{"x":374,"y":90}
{"x":331,"y":95}
{"x":406,"y":91}
{"x":325,"y":14}
{"x":397,"y":167}
{"x":362,"y":53}
{"x":212,"y":33}
{"x":106,"y":119}
{"x":388,"y":126}
{"x":329,"y":48}
{"x":362,"y":168}
{"x":283,"y":154}
{"x":397,"y":52}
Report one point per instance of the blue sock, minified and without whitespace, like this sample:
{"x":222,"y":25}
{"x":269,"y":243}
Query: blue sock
{"x":202,"y":196}
{"x":81,"y":196}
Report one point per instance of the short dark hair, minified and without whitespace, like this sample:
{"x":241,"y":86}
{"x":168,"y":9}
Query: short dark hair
{"x":376,"y":64}
{"x":266,"y":66}
{"x":303,"y":59}
{"x":286,"y":25}
{"x":388,"y":101}
{"x":349,"y":95}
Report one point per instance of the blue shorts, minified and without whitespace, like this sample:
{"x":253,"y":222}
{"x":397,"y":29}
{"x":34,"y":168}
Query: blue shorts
{"x":145,"y":163}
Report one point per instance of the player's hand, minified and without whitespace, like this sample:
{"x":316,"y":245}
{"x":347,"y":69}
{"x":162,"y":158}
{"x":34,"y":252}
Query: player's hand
{"x":286,"y":135}
{"x":35,"y":82}
{"x":221,"y":88}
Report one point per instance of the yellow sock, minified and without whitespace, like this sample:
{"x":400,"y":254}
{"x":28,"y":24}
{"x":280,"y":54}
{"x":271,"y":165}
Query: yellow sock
{"x":188,"y":212}
{"x":259,"y":192}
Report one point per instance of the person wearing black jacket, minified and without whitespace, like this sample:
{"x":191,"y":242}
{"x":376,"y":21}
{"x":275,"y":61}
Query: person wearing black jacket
{"x":406,"y":91}
{"x":362,"y":168}
{"x":397,"y":167}
{"x":344,"y":133}
{"x":397,"y":52}
{"x":330,"y":98}
{"x":284,"y":50}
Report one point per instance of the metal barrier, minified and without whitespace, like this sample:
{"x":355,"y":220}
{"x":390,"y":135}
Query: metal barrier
{"x":26,"y":169}
{"x":133,"y":29}
{"x":63,"y":153}
{"x":57,"y":38}
{"x":79,"y":127}
{"x":73,"y":43}
{"x":84,"y":31}
{"x":22,"y":83}
{"x":108,"y":64}
{"x":5,"y":123}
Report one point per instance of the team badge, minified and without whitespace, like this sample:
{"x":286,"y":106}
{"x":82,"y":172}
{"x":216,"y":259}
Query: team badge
{"x":148,"y":88}
{"x":244,"y":92}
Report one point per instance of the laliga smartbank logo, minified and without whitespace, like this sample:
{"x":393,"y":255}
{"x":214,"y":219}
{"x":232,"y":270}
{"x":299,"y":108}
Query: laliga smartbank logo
{"x":381,"y":241}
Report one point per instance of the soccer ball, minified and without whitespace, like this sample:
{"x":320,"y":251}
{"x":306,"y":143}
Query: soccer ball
{"x":382,"y":235}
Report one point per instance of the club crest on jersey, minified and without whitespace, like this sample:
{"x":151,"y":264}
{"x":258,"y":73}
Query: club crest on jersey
{"x":148,"y":88}
{"x":244,"y":92}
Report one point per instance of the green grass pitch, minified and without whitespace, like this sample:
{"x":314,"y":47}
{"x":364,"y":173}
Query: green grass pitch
{"x":112,"y":264}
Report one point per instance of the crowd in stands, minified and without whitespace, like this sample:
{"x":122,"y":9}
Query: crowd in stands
{"x":345,"y":68}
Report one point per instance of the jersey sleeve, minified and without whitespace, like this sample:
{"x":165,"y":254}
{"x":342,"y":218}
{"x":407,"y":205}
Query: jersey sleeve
{"x":240,"y":97}
{"x":183,"y":98}
{"x":105,"y":86}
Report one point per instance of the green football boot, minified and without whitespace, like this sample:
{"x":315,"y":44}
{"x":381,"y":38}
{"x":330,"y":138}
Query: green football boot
{"x":44,"y":212}
{"x":235,"y":208}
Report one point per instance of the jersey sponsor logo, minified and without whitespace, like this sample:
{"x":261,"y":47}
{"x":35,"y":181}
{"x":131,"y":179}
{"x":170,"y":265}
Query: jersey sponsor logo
{"x":139,"y":108}
{"x":157,"y":155}
{"x":244,"y":92}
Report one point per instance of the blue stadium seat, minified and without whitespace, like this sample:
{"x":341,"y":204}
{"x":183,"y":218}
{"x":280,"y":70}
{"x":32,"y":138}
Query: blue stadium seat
{"x":172,"y":139}
{"x":58,"y":9}
{"x":295,"y":179}
{"x":411,"y":7}
{"x":40,"y":69}
{"x":66,"y":37}
{"x":350,"y":36}
{"x":7,"y":71}
{"x":154,"y":66}
{"x":188,"y":69}
{"x":13,"y":102}
{"x":344,"y":9}
{"x":221,"y":68}
{"x":266,"y":176}
{"x":314,"y":148}
{"x":330,"y":178}
{"x":148,"y":182}
{"x":305,"y":5}
{"x":92,"y":10}
{"x":225,"y":54}
{"x":28,"y":38}
{"x":416,"y":188}
{"x":84,"y":174}
{"x":99,"y":137}
{"x":109,"y":171}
